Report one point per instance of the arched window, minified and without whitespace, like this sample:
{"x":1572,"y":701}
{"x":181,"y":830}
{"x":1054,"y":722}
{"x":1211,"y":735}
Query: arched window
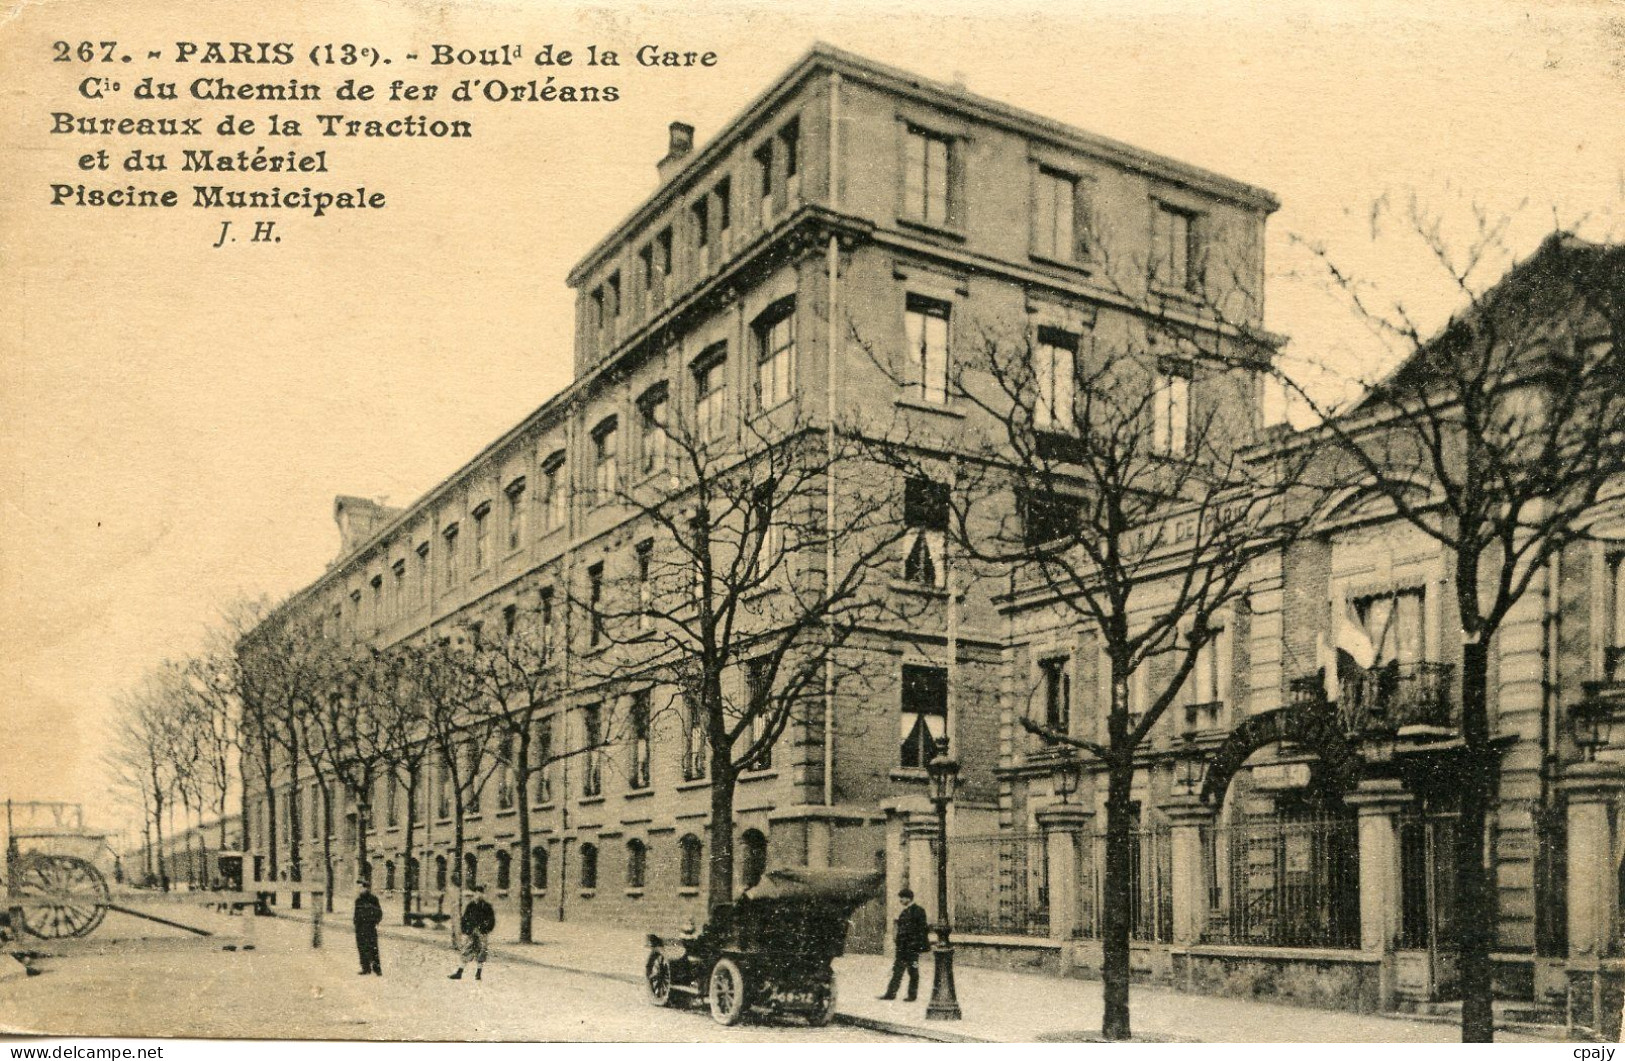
{"x":589,"y":866}
{"x":412,"y":869}
{"x":753,"y":861}
{"x":471,"y":870}
{"x":440,"y":872}
{"x":693,"y":861}
{"x":637,"y":863}
{"x":538,"y":869}
{"x":504,"y":870}
{"x":389,"y":876}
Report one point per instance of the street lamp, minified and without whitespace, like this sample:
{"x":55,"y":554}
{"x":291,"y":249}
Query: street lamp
{"x":1066,"y":778}
{"x":944,"y":773}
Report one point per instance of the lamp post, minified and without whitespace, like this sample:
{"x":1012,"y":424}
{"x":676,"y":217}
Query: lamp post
{"x":944,"y":774}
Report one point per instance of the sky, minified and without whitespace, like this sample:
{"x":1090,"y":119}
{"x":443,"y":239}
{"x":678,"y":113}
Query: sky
{"x":175,"y":419}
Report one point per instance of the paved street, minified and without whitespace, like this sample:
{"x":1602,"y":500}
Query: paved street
{"x":171,"y":985}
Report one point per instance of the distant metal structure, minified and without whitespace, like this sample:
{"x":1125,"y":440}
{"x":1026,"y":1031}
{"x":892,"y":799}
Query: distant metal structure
{"x":52,"y":885}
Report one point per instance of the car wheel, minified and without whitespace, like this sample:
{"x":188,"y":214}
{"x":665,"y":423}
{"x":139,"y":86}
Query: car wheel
{"x":727,"y":993}
{"x":657,"y":974}
{"x":826,"y":1010}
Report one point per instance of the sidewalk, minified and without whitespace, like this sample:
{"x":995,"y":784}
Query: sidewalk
{"x":998,"y":1006}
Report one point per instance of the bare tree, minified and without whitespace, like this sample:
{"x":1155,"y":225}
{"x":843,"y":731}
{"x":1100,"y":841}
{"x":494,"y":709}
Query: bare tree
{"x":354,"y":725}
{"x":763,"y":558}
{"x":1497,"y":438}
{"x":407,"y":747}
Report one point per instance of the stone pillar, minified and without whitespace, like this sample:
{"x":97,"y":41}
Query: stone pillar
{"x":1592,"y":790}
{"x":1187,"y":817}
{"x":918,"y":832}
{"x":1065,"y":827}
{"x":1380,"y":801}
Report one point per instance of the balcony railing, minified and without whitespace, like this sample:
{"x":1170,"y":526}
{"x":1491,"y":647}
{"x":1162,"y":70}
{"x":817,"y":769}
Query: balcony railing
{"x":1395,"y":695}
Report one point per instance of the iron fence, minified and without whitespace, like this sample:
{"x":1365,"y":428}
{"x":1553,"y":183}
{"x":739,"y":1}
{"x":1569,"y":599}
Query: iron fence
{"x":999,"y":884}
{"x":1283,"y":882}
{"x":1150,"y":893}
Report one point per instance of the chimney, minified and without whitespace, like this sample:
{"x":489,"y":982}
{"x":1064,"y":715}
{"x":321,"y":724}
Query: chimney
{"x":682,"y":143}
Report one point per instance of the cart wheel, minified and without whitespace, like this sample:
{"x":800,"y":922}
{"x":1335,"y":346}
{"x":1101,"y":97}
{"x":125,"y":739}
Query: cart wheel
{"x":657,"y":974}
{"x":826,"y":1009}
{"x":727,"y":993}
{"x":68,"y":896}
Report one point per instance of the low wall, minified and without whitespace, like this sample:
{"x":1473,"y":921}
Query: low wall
{"x":1330,"y":979}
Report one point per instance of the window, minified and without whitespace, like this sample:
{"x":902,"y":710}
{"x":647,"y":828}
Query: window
{"x":592,"y":736}
{"x":753,"y":861}
{"x":450,"y":534}
{"x":1170,"y":412}
{"x":764,"y":538}
{"x":1048,"y":518}
{"x":924,"y":717}
{"x":695,"y":745}
{"x":510,"y":619}
{"x":926,"y":327}
{"x":693,"y":861}
{"x":442,"y":790}
{"x":554,"y":486}
{"x":790,"y":151}
{"x":1058,"y":230}
{"x":516,"y":513}
{"x":1057,"y":681}
{"x":541,"y":758}
{"x":470,"y":775}
{"x":637,"y":864}
{"x":701,"y":213}
{"x":392,"y":811}
{"x":589,"y":867}
{"x":504,"y":775}
{"x":724,"y":204}
{"x":482,"y":535}
{"x":538,"y":869}
{"x":397,"y":588}
{"x":652,"y":429}
{"x":663,"y":254}
{"x":645,"y":558}
{"x":1055,"y":371}
{"x":544,"y":632}
{"x":595,"y":600}
{"x":440,"y":872}
{"x":759,"y":698}
{"x":646,"y":269}
{"x":471,"y":869}
{"x":389,"y":875}
{"x":423,"y":570}
{"x":1210,"y":677}
{"x":639,"y":775}
{"x":600,"y":315}
{"x":764,"y":179}
{"x":925,"y":514}
{"x":377,"y":584}
{"x":1175,"y":251}
{"x":615,"y":294}
{"x":776,"y":353}
{"x":1393,"y":623}
{"x":711,"y":392}
{"x":504,"y":871}
{"x":604,"y":463}
{"x":926,"y":184}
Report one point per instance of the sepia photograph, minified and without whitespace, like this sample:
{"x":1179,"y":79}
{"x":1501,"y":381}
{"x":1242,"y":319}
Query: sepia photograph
{"x":839,"y":522}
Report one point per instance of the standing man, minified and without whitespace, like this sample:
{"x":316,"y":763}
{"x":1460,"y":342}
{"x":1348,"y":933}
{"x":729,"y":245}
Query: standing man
{"x":479,"y":921}
{"x":910,"y":939}
{"x":368,"y":912}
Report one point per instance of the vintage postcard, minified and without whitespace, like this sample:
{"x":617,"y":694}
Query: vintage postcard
{"x":812,"y":522}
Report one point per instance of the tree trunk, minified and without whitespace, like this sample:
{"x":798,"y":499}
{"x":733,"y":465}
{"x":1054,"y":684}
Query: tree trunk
{"x":270,"y":815}
{"x":1114,"y":970}
{"x":522,"y":770}
{"x":1474,"y":923}
{"x":721,"y":875}
{"x":410,"y":884}
{"x":363,"y":819}
{"x":158,"y":832}
{"x":327,"y":844}
{"x":457,"y":865}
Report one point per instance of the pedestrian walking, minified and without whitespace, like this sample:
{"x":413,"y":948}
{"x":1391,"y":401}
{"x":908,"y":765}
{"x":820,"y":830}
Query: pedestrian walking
{"x":910,"y":939}
{"x":478,"y":922}
{"x":368,"y":913}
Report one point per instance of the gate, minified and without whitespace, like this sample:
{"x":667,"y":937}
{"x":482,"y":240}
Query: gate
{"x":998,"y":885}
{"x":1427,"y":953}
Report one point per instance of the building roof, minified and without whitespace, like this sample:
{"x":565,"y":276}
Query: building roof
{"x":827,"y":58}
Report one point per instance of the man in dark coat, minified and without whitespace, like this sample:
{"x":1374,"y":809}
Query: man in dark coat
{"x":478,"y":922}
{"x":910,"y":939}
{"x":368,"y":912}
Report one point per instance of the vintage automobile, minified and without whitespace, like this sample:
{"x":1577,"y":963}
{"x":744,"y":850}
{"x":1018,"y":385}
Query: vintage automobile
{"x":770,"y":951}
